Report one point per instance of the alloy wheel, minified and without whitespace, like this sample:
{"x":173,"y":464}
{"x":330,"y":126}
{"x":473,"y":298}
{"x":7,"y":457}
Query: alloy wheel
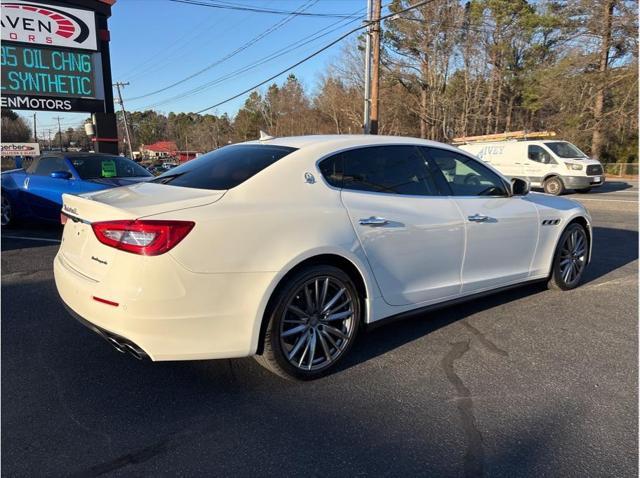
{"x":318,"y":323}
{"x":573,"y":254}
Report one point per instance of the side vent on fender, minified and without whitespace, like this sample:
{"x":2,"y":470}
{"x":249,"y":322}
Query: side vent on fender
{"x":550,"y":222}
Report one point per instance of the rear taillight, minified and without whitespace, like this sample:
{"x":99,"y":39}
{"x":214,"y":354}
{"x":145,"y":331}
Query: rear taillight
{"x":147,"y":238}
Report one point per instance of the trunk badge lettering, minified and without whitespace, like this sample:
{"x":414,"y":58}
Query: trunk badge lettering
{"x":70,"y":210}
{"x":94,"y":258}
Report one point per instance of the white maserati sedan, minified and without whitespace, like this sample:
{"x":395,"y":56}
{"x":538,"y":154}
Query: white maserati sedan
{"x":285,"y":248}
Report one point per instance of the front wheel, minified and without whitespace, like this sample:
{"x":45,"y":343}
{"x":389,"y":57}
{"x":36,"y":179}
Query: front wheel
{"x":554,"y":186}
{"x":6,"y":211}
{"x":570,"y":258}
{"x":312,"y":324}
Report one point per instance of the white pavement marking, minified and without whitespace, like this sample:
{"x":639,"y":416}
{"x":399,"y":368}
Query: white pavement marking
{"x":606,"y":200}
{"x":25,"y":238}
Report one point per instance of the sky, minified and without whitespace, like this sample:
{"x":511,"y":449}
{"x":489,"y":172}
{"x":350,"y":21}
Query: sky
{"x":155,"y":43}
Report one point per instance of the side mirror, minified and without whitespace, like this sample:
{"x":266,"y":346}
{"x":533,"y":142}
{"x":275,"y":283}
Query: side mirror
{"x":61,"y":175}
{"x":520,"y":187}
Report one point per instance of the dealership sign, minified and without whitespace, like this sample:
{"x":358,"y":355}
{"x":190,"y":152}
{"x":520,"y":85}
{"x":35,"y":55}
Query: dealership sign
{"x":47,"y":71}
{"x":48,"y":58}
{"x":20,"y":149}
{"x":43,"y":24}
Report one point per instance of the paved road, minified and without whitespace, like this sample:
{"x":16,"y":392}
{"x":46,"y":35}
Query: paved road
{"x":526,"y":383}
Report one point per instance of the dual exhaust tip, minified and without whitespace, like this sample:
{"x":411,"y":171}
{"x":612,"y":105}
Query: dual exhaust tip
{"x":126,"y":347}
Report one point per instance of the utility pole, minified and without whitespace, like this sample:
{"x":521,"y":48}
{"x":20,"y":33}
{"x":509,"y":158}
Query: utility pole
{"x":59,"y":131}
{"x":375,"y":64}
{"x":35,"y":131}
{"x":118,"y":85}
{"x":367,"y":72}
{"x":47,"y":136}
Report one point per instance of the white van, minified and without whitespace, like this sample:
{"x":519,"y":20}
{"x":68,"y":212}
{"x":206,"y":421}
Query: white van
{"x":549,"y":164}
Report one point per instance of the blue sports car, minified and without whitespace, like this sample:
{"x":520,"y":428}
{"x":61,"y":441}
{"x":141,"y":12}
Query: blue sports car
{"x":35,"y":193}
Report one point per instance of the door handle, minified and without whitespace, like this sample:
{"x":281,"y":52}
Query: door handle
{"x":478,"y":218}
{"x":373,"y":221}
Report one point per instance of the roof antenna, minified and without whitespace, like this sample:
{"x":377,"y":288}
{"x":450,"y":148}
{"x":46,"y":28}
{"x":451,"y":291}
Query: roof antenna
{"x":265,"y":136}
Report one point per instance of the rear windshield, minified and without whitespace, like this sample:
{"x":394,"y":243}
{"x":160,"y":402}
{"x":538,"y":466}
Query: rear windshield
{"x":562,"y":149}
{"x":97,"y":166}
{"x":224,"y":168}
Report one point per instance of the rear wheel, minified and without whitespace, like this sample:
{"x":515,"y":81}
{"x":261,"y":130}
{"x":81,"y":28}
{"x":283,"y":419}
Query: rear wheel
{"x":6,"y":211}
{"x":554,"y":186}
{"x":570,"y":258}
{"x":312,"y":324}
{"x":583,"y":190}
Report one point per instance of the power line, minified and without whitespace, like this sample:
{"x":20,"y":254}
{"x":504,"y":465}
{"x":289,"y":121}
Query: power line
{"x":278,"y":53}
{"x":238,"y":50}
{"x":164,"y":57}
{"x":247,"y":8}
{"x":316,"y":53}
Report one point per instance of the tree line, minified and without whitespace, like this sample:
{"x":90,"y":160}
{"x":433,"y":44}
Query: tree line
{"x":455,"y":68}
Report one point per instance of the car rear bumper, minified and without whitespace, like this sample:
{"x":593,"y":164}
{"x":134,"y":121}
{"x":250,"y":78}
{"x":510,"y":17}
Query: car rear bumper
{"x":180,"y":316}
{"x":582,"y":182}
{"x":119,"y":343}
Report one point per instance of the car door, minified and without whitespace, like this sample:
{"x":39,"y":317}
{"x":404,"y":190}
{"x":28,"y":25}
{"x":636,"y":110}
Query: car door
{"x":44,"y":193}
{"x":413,"y":237}
{"x":501,"y":230}
{"x":538,"y":163}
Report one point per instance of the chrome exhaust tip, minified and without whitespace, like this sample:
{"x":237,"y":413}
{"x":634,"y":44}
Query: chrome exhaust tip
{"x":134,"y":352}
{"x":117,"y":345}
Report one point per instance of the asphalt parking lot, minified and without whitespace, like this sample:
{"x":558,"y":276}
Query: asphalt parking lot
{"x":530,"y":382}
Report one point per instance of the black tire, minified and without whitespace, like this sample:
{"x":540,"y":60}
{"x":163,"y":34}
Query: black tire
{"x":583,"y":190}
{"x":280,"y":353}
{"x":7,"y":213}
{"x":554,"y":186}
{"x":559,"y":278}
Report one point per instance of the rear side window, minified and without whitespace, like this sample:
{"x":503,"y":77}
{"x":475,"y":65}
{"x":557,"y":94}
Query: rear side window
{"x":332,"y":170}
{"x":224,"y":168}
{"x":388,"y":169}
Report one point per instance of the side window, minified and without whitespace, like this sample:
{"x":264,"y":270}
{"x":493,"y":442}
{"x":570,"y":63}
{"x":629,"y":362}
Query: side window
{"x":332,"y":170}
{"x":388,"y":169}
{"x":466,"y":176}
{"x":539,"y":154}
{"x":48,"y":165}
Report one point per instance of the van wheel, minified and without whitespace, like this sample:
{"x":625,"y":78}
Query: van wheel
{"x":554,"y":186}
{"x":583,"y":190}
{"x":312,"y":325}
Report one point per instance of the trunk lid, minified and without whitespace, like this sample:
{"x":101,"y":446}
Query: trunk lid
{"x":81,"y":251}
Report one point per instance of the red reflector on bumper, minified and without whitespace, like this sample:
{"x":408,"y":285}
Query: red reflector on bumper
{"x":105,"y":301}
{"x":63,"y":219}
